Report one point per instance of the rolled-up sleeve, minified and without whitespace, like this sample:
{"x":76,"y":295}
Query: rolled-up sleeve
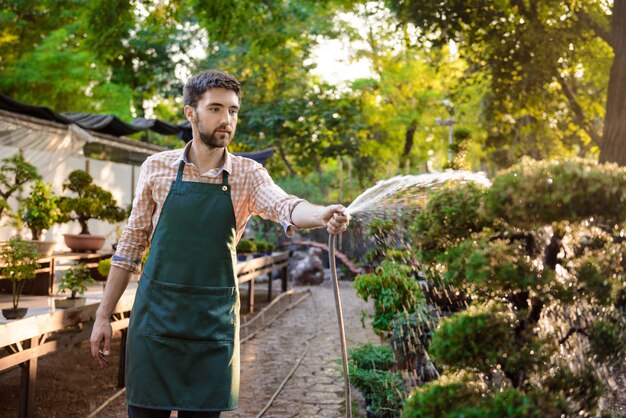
{"x":269,"y":201}
{"x":135,"y":237}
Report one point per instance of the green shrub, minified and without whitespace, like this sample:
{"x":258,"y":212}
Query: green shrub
{"x":246,"y":246}
{"x":450,"y":215}
{"x":473,"y":340}
{"x":383,"y":390}
{"x":535,"y":193}
{"x":369,"y":372}
{"x":104,"y":267}
{"x":371,"y":357}
{"x":394,"y":290}
{"x":490,"y":268}
{"x":461,"y":400}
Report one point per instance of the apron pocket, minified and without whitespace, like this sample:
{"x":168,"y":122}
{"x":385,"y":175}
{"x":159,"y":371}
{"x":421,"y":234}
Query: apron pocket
{"x":191,"y":312}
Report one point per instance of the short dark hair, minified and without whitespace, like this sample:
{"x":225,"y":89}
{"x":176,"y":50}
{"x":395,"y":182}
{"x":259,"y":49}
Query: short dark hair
{"x":206,"y":80}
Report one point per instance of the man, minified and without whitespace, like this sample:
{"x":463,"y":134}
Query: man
{"x":191,"y":206}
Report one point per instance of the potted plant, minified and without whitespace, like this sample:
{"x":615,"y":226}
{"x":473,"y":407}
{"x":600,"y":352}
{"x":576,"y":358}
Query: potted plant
{"x":40,"y":211}
{"x":92,"y":202}
{"x":15,"y":172}
{"x":75,"y":280}
{"x":245,"y":247}
{"x":19,"y":260}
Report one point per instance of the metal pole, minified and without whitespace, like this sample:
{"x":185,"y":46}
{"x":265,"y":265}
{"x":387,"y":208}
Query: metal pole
{"x":342,"y":333}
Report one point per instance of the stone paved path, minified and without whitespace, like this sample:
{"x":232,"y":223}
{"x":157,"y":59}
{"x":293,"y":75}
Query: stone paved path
{"x":316,"y":387}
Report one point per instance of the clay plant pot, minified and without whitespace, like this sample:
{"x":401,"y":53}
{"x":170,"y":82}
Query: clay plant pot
{"x":84,"y":243}
{"x":67,"y":303}
{"x":45,"y":248}
{"x":14,"y":313}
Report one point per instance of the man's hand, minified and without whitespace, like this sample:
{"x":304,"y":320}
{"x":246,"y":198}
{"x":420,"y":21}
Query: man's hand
{"x":101,"y":333}
{"x":335,"y":218}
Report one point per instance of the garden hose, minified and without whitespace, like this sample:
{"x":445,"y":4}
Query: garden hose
{"x":342,"y":334}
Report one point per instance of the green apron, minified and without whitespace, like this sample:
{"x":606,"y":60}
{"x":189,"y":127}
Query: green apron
{"x":182,"y":350}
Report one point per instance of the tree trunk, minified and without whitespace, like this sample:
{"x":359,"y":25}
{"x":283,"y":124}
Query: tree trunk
{"x":408,"y":142}
{"x":84,"y":228}
{"x":613,"y":146}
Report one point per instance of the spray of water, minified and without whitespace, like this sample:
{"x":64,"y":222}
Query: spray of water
{"x":389,"y":195}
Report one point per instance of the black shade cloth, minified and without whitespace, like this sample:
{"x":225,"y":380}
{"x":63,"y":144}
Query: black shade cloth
{"x":112,"y":125}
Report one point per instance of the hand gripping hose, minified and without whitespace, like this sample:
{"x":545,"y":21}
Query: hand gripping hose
{"x":342,"y":334}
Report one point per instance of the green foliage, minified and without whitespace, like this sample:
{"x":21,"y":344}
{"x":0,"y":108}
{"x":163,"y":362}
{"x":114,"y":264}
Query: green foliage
{"x":104,"y":267}
{"x":451,"y":215}
{"x":263,"y":246}
{"x":369,"y":372}
{"x":534,"y":193}
{"x":93,"y":202}
{"x":371,"y":357}
{"x":39,"y":210}
{"x":75,"y":280}
{"x":19,"y":260}
{"x":460,"y":400}
{"x":246,"y":246}
{"x":399,"y":256}
{"x":435,"y":400}
{"x":384,"y":390}
{"x":608,"y":341}
{"x":530,"y":94}
{"x":491,"y":268}
{"x":545,"y":271}
{"x":310,"y":187}
{"x":474,"y":340}
{"x":394,"y":290}
{"x":15,"y":172}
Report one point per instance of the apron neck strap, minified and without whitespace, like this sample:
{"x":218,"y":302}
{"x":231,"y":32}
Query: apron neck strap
{"x":224,"y":177}
{"x":177,"y":186}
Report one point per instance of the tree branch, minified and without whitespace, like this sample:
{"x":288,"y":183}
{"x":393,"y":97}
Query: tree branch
{"x":571,"y":331}
{"x":602,"y":33}
{"x":579,"y":114}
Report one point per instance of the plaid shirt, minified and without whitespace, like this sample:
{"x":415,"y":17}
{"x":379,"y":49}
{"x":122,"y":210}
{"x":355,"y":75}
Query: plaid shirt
{"x":252,"y":190}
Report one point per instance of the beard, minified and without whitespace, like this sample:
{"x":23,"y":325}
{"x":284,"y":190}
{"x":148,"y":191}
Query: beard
{"x":215,"y":139}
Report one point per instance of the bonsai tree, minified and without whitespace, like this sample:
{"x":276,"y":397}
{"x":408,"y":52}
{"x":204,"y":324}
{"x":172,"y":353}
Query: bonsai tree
{"x":92,"y":202}
{"x":15,"y":172}
{"x":542,"y":255}
{"x":75,"y":280}
{"x":19,"y":260}
{"x":40,"y":210}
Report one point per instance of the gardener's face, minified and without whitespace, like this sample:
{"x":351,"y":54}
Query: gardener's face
{"x":215,"y":117}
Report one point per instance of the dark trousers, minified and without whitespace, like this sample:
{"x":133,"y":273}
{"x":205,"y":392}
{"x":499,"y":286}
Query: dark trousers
{"x":137,"y":412}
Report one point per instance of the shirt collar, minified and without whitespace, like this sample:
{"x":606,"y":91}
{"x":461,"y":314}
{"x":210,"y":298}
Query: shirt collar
{"x":228,"y":162}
